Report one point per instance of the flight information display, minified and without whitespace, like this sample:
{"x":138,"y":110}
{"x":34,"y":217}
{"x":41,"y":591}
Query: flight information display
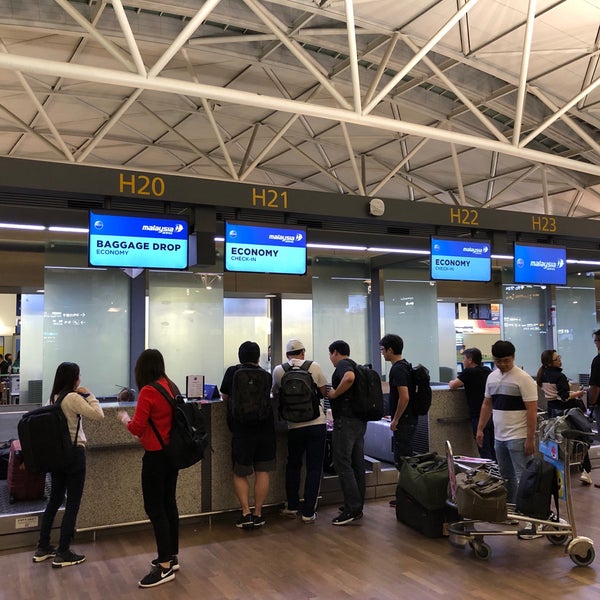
{"x":540,"y":264}
{"x":454,"y":259}
{"x":143,"y":242}
{"x":252,"y":248}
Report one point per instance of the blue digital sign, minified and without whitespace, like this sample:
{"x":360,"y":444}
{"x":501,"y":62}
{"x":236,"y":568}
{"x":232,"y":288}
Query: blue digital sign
{"x":144,"y":242}
{"x":251,"y":248}
{"x":454,"y":259}
{"x":540,"y":264}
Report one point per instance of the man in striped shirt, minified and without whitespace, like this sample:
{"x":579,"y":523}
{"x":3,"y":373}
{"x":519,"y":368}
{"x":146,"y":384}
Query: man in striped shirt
{"x":511,"y":398}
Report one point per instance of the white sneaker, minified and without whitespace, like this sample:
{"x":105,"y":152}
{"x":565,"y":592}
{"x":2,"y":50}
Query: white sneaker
{"x":529,"y":532}
{"x":310,"y":519}
{"x":290,"y":514}
{"x":585,"y":478}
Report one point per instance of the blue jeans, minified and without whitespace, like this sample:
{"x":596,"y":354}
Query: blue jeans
{"x":159,"y":489}
{"x":305,"y":443}
{"x":348,"y":444}
{"x":402,"y":440}
{"x":70,"y":482}
{"x":512,"y":461}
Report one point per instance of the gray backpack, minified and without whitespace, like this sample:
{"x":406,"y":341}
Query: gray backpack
{"x":298,"y":394}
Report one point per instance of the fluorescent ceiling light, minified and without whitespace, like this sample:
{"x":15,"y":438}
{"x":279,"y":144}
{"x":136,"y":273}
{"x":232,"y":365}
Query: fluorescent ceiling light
{"x":503,"y":256}
{"x":69,"y":229}
{"x":572,"y":261}
{"x":21,"y":226}
{"x":398,"y":250}
{"x":337,"y":247}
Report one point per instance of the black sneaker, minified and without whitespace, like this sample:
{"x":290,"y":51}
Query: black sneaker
{"x":67,"y":559}
{"x":41,"y":554}
{"x":245,"y":522}
{"x":258,"y":520}
{"x":157,"y":576}
{"x":345,"y":517}
{"x":174,"y":563}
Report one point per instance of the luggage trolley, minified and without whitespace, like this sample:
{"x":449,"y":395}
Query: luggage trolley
{"x":558,"y":531}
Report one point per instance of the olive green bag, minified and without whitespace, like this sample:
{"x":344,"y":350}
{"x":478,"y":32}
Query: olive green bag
{"x":424,"y":478}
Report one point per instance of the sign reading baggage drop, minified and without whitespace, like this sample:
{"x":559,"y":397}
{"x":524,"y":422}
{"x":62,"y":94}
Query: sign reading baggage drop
{"x":144,"y":242}
{"x":454,"y":259}
{"x":252,"y":248}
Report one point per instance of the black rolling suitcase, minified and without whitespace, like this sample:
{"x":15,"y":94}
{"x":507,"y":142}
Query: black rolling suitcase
{"x":431,"y":523}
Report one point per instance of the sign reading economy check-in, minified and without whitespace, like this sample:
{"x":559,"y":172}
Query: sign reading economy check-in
{"x":460,"y":260}
{"x":252,"y":248}
{"x":145,"y":242}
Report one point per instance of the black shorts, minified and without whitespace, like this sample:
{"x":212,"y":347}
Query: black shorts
{"x":253,"y":451}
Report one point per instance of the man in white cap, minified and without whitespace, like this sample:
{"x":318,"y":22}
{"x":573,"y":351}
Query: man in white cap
{"x":306,"y":439}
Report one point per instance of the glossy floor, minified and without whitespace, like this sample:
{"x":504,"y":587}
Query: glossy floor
{"x":377,"y":558}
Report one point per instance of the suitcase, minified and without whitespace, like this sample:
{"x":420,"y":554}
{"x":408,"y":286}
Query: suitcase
{"x":379,"y":441}
{"x":23,"y":484}
{"x":431,"y":523}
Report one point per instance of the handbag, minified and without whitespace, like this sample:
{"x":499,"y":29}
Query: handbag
{"x":424,"y":477}
{"x":481,"y":496}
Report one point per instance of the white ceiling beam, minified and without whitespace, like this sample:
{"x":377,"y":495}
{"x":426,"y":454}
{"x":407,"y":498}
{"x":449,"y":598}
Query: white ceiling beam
{"x":327,"y":172}
{"x":24,"y":127}
{"x":591,"y":67}
{"x":381,"y":67}
{"x":523,"y":176}
{"x":109,"y":46}
{"x":458,"y":175}
{"x":315,"y":69}
{"x":417,"y":58}
{"x":463,"y":97}
{"x":352,"y":158}
{"x":129,"y":37}
{"x":176,"y":86}
{"x":559,"y":113}
{"x":405,"y":160}
{"x":522,"y":88}
{"x":352,"y":52}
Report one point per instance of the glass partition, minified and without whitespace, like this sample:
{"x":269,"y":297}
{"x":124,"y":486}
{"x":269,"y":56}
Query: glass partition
{"x":185,"y":322}
{"x":410,"y":311}
{"x":246,"y":319}
{"x":32,"y":345}
{"x":575,"y":321}
{"x":525,"y":324}
{"x":296,"y":323}
{"x":86,"y":320}
{"x":341,"y":296}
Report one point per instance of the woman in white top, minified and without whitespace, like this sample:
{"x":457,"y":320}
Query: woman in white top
{"x":76,"y":402}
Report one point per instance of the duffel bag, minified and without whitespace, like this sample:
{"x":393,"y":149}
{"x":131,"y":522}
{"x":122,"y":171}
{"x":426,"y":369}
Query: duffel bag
{"x":481,"y":496}
{"x":424,"y":477}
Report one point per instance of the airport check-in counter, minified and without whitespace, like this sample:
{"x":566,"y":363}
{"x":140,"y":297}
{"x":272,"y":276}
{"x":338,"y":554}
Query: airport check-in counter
{"x":113,"y":494}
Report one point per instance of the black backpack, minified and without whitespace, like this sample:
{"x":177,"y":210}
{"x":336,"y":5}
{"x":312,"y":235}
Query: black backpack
{"x":298,"y":394}
{"x":419,"y":389}
{"x":188,"y":438}
{"x":251,"y":395}
{"x":537,"y":486}
{"x":367,"y":395}
{"x":46,"y":443}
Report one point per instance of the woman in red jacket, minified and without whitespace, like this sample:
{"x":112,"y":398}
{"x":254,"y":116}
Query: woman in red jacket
{"x":159,"y":477}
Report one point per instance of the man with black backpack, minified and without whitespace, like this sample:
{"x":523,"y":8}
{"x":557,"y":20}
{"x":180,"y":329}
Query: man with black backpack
{"x":404,"y":421}
{"x":298,"y":386}
{"x":246,"y":388}
{"x":348,"y":435}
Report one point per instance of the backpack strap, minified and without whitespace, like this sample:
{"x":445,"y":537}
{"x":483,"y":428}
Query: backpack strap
{"x":286,"y":366}
{"x":305,"y":366}
{"x":60,"y":398}
{"x":171,"y":401}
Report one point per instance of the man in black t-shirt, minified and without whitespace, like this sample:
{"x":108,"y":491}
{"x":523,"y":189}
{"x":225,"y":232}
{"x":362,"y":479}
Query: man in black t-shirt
{"x":347,"y":437}
{"x":404,"y":423}
{"x":252,"y":445}
{"x":473,"y":378}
